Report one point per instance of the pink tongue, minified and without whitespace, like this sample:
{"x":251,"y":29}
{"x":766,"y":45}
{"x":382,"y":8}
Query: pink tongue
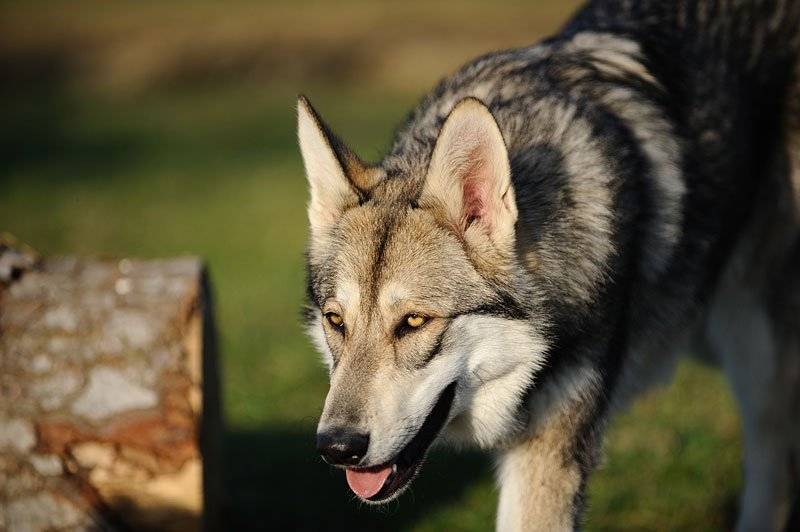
{"x":365,"y":484}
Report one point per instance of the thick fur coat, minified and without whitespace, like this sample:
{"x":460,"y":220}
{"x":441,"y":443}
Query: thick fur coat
{"x":551,"y":227}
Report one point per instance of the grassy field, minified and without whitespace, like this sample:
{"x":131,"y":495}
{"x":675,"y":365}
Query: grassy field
{"x":209,"y":167}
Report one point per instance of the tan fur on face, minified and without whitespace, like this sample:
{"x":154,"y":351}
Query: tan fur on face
{"x":383,"y":255}
{"x":406,"y":265}
{"x":390,"y":260}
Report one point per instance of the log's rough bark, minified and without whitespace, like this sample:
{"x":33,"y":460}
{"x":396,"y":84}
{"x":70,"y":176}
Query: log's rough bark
{"x":108,"y":394}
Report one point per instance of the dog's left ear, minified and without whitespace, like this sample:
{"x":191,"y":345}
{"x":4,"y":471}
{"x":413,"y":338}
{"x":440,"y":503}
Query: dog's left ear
{"x":336,"y":176}
{"x":469,"y":176}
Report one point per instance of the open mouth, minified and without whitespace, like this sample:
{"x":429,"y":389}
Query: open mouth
{"x":381,"y":483}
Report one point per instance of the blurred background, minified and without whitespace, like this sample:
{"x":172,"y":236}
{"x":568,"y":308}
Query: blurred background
{"x":157,"y":129}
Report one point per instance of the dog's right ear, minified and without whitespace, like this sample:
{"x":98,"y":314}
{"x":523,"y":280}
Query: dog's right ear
{"x":336,"y":176}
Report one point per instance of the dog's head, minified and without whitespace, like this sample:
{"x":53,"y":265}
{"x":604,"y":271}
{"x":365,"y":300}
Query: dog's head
{"x":415,"y":300}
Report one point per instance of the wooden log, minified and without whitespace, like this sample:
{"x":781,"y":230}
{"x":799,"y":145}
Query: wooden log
{"x":110,"y":407}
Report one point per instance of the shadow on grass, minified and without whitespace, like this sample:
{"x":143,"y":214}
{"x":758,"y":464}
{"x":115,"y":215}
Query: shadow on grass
{"x":40,"y":129}
{"x":275,"y":480}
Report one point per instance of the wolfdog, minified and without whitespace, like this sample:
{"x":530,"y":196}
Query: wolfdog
{"x":551,"y":226}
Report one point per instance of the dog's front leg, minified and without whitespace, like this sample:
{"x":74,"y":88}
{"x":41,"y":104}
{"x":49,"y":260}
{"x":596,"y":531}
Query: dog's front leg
{"x":542,"y":479}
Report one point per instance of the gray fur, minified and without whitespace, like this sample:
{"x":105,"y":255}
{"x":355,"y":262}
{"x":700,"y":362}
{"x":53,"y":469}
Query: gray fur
{"x":654,"y":158}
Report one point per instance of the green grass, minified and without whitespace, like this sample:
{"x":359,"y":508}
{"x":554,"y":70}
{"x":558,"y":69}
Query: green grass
{"x":214,"y":172}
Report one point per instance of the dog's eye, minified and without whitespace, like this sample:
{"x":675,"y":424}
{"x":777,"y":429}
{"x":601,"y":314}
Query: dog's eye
{"x":415,"y":320}
{"x":411,"y":322}
{"x":335,"y":319}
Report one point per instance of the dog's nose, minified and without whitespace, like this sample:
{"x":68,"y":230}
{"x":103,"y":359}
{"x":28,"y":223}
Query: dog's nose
{"x":342,"y":446}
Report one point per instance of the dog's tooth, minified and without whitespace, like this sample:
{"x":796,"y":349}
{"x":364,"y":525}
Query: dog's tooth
{"x":394,"y":468}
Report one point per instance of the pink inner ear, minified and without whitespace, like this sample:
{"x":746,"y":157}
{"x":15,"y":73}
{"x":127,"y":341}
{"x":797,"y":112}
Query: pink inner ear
{"x":475,"y":189}
{"x":474,"y":200}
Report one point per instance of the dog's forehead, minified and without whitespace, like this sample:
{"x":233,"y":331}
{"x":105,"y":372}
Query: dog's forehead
{"x":390,"y":253}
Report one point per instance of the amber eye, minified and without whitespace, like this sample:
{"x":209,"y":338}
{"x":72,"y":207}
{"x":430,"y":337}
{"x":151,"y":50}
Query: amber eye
{"x":334,"y":319}
{"x":415,"y":320}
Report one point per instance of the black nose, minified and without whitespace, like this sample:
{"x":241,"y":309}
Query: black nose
{"x":341,"y":446}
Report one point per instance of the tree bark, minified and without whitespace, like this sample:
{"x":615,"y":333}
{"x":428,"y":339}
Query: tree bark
{"x":109,"y":410}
